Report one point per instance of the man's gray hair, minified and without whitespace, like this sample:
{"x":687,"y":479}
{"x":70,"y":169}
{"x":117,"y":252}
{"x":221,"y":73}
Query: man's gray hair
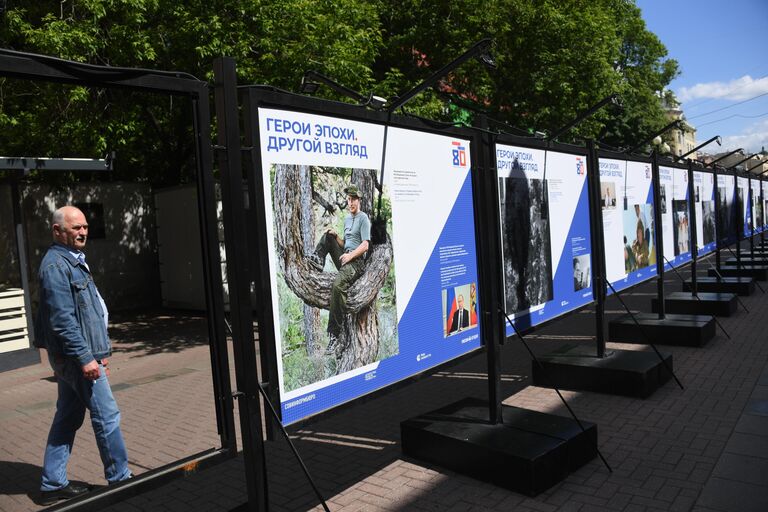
{"x":58,"y":216}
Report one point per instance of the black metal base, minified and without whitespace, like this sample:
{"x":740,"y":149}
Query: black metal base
{"x":743,"y":286}
{"x":749,"y":261}
{"x":757,"y":272}
{"x":683,"y":330}
{"x":621,"y":372}
{"x":527,"y":453}
{"x":715,"y":304}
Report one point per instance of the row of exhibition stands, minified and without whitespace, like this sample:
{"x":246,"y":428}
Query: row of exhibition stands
{"x":476,"y":236}
{"x":516,"y":231}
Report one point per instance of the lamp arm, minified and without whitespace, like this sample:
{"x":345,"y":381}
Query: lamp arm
{"x":716,"y":137}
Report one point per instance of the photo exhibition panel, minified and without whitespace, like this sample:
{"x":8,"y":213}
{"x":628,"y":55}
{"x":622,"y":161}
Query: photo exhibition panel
{"x":745,"y":206}
{"x":726,"y":210}
{"x":545,"y":233}
{"x":628,"y":230}
{"x":764,"y":201}
{"x":675,"y":215}
{"x":373,"y":272}
{"x":704,"y":204}
{"x":756,"y":206}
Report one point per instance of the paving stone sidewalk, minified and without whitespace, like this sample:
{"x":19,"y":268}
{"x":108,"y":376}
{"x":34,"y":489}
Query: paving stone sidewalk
{"x":704,"y":448}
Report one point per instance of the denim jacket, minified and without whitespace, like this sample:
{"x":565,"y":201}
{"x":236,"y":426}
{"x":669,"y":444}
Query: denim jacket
{"x":70,"y":318}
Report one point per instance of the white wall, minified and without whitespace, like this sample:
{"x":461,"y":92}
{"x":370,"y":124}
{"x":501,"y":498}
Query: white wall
{"x":124,"y":263}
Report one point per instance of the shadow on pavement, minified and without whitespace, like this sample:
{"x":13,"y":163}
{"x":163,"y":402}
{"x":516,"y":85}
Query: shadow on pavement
{"x":150,"y":333}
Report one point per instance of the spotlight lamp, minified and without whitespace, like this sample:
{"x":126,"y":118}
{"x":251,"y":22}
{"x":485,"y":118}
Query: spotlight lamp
{"x":308,"y":86}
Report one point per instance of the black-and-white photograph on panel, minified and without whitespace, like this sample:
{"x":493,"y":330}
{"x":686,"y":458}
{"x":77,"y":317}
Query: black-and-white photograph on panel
{"x":525,"y":232}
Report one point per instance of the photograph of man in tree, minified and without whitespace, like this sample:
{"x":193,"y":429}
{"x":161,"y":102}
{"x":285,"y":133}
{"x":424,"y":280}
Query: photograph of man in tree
{"x":336,"y":287}
{"x":347,"y":254}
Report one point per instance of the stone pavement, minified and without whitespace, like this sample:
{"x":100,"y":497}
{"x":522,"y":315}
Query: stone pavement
{"x":704,"y":448}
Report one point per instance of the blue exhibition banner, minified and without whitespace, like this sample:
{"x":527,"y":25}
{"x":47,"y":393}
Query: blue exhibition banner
{"x":704,"y":203}
{"x":545,"y":233}
{"x":628,"y":230}
{"x":675,"y":215}
{"x":412,"y":297}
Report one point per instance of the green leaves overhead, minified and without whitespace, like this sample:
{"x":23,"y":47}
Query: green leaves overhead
{"x":555,"y":59}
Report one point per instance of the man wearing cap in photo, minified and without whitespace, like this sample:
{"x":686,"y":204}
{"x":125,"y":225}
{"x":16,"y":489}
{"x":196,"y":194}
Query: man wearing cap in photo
{"x":347,"y":254}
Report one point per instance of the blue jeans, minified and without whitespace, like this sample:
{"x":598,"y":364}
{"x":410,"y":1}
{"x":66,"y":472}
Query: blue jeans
{"x":76,"y":394}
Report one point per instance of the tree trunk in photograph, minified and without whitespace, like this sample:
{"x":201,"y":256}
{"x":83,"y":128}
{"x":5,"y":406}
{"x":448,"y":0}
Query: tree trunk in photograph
{"x":312,"y":327}
{"x":358,"y":343}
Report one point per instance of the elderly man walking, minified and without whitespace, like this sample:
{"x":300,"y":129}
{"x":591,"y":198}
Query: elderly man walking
{"x":72,"y":325}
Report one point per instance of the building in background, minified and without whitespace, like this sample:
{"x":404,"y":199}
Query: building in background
{"x":681,"y":140}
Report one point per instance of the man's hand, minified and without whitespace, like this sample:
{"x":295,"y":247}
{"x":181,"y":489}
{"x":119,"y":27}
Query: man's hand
{"x":334,"y":234}
{"x":105,"y":364}
{"x":91,"y":370}
{"x":345,"y":258}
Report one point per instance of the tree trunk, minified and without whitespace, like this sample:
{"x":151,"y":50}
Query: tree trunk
{"x":312,"y":327}
{"x":358,"y":343}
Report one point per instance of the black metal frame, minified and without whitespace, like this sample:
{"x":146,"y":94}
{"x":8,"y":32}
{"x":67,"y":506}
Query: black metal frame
{"x":24,"y":66}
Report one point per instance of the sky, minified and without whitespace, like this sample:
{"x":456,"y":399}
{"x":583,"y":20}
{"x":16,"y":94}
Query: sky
{"x":721,"y":47}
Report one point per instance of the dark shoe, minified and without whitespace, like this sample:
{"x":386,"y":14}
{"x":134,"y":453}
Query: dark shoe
{"x":65,"y":493}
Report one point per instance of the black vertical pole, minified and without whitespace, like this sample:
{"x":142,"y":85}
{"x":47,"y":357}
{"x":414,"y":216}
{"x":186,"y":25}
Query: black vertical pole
{"x":239,"y":279}
{"x":658,"y":238}
{"x":487,"y":220}
{"x":692,"y":229}
{"x":209,"y":231}
{"x":257,"y":245}
{"x":598,"y":247}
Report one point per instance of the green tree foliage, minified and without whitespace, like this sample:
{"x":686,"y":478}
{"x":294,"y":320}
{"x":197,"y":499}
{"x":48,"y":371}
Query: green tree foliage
{"x":274,"y":42}
{"x":555,"y":58}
